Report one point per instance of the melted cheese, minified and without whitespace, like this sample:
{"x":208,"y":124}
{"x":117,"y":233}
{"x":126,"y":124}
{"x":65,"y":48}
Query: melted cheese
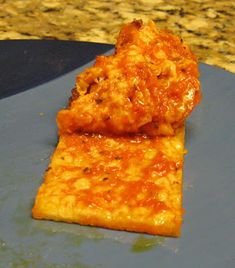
{"x":150,"y":85}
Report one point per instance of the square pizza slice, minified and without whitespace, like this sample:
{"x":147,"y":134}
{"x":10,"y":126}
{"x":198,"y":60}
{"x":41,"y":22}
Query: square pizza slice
{"x":129,"y":183}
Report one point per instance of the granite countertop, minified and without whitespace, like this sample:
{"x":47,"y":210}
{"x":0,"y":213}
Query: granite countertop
{"x":207,"y":26}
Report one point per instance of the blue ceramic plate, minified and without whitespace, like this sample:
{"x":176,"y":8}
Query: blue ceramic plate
{"x":28,"y":137}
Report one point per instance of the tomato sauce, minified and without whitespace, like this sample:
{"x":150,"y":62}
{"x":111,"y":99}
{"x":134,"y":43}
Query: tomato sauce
{"x":118,"y":181}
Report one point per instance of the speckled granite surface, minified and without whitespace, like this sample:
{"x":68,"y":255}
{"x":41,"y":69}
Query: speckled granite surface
{"x":207,"y":26}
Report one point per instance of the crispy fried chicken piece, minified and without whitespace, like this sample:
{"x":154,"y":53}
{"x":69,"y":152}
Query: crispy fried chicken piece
{"x":150,"y":85}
